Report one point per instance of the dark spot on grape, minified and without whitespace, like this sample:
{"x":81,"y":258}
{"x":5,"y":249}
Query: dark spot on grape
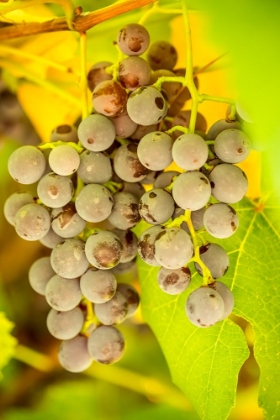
{"x":108,"y":254}
{"x":146,"y":248}
{"x":53,"y":190}
{"x":159,"y":103}
{"x":129,"y":237}
{"x":122,"y":34}
{"x":160,"y":235}
{"x":233,"y":226}
{"x":132,"y":297}
{"x":212,"y":184}
{"x":186,"y":270}
{"x":191,"y":309}
{"x":171,"y":279}
{"x":152,"y":195}
{"x":212,"y":296}
{"x":63,"y":129}
{"x":129,"y":80}
{"x":135,"y":43}
{"x":205,"y":180}
{"x":90,"y":141}
{"x":199,"y":321}
{"x":133,"y":215}
{"x":24,"y":234}
{"x":204,"y":248}
{"x":239,"y":150}
{"x":172,"y":50}
{"x":154,"y":58}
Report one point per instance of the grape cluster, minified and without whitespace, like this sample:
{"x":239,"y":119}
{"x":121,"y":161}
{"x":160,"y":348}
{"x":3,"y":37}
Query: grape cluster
{"x":96,"y":172}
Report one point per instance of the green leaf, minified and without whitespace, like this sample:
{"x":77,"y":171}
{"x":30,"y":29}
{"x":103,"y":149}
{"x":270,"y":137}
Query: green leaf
{"x":7,"y":341}
{"x":205,"y":363}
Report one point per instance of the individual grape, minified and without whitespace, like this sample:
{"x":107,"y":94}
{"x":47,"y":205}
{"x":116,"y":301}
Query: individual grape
{"x":39,"y":274}
{"x":98,"y":74}
{"x":190,"y":151}
{"x":134,"y":188}
{"x":191,"y":190}
{"x":66,"y":222}
{"x":183,"y":96}
{"x":162,"y":55}
{"x":175,"y":281}
{"x":133,"y":39}
{"x":51,"y":239}
{"x":131,"y":296}
{"x":215,"y":258}
{"x":129,"y":242}
{"x":134,"y":72}
{"x":98,"y":286}
{"x":125,"y":214}
{"x":171,"y":88}
{"x":124,"y":125}
{"x":55,"y":190}
{"x":63,"y":294}
{"x":109,"y":98}
{"x":112,"y":312}
{"x":95,"y":167}
{"x":173,"y":248}
{"x":103,"y":249}
{"x":106,"y":345}
{"x":146,"y":106}
{"x":229,"y":183}
{"x":68,"y":258}
{"x":205,"y":307}
{"x":26,"y":164}
{"x":227,"y":297}
{"x":65,"y":325}
{"x":14,"y":203}
{"x":127,"y":164}
{"x":66,"y":133}
{"x":220,"y":220}
{"x":156,"y":206}
{"x":73,"y":354}
{"x":94,"y":203}
{"x":232,"y":146}
{"x":146,"y":245}
{"x":96,"y":133}
{"x":142,"y":130}
{"x":32,"y":222}
{"x":154,"y":150}
{"x":220,"y":126}
{"x":165,"y":179}
{"x":64,"y":160}
{"x":183,"y":119}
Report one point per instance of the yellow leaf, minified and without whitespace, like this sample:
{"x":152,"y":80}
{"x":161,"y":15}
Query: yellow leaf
{"x":38,"y":13}
{"x":45,"y":109}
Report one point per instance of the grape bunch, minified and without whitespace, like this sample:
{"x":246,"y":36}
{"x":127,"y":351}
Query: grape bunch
{"x":97,"y":175}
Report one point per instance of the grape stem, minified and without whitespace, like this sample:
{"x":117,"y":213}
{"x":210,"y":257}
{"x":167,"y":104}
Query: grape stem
{"x":177,"y":127}
{"x":207,"y":277}
{"x":90,"y":317}
{"x":54,"y":144}
{"x":113,"y":186}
